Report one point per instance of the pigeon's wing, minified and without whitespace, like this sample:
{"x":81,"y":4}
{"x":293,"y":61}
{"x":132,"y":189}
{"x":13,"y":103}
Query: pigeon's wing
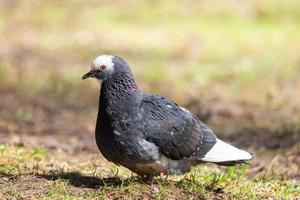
{"x":175,"y":130}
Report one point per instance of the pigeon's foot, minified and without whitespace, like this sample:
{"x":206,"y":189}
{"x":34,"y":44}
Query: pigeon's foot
{"x":163,"y":175}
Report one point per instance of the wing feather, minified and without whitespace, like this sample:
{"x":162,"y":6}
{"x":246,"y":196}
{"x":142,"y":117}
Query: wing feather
{"x":176,"y":131}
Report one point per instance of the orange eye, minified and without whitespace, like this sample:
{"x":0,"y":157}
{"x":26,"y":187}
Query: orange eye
{"x":102,"y":67}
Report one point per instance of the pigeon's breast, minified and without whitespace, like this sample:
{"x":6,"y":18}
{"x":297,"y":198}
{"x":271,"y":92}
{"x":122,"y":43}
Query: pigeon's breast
{"x":120,"y":134}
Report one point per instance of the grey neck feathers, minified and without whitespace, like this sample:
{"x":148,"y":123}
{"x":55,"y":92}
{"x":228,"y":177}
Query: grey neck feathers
{"x":120,"y":86}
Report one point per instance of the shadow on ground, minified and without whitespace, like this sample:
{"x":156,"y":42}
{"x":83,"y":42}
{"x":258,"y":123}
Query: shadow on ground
{"x":78,"y":180}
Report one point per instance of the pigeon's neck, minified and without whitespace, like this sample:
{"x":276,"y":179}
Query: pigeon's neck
{"x":119,"y":87}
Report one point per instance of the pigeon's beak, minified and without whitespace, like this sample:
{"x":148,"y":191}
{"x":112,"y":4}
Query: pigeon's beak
{"x":90,"y":74}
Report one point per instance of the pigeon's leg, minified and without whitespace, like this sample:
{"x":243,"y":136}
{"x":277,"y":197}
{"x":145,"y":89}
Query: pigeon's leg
{"x":161,"y":174}
{"x":147,"y":178}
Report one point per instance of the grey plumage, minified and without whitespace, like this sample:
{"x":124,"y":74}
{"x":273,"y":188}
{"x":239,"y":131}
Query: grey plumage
{"x":146,"y":133}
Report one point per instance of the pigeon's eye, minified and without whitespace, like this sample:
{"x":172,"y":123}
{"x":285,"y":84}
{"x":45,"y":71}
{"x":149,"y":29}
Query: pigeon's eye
{"x":102,"y":67}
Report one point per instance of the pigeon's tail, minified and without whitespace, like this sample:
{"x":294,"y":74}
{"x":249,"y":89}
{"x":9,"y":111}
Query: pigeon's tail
{"x":225,"y":154}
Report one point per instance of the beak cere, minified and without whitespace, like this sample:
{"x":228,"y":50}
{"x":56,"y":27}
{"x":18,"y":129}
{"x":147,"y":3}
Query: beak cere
{"x":90,"y":74}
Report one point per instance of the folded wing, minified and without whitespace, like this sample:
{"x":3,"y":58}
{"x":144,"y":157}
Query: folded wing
{"x":176,"y":131}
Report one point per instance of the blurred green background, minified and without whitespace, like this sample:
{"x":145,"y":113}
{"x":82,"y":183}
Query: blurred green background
{"x":236,"y":56}
{"x":185,"y":47}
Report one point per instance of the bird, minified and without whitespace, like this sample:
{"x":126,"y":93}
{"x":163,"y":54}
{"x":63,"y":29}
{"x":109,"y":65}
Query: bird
{"x":150,"y":134}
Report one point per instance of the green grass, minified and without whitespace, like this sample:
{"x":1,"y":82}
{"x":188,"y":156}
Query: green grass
{"x":50,"y":180}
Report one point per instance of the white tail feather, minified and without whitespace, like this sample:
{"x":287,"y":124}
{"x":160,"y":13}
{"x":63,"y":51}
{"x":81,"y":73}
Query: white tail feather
{"x":223,"y":152}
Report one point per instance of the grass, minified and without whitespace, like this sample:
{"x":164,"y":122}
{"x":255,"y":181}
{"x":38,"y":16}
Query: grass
{"x":44,"y":172}
{"x":242,"y":60}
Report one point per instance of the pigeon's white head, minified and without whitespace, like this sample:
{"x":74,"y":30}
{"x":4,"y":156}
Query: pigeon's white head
{"x":101,"y":67}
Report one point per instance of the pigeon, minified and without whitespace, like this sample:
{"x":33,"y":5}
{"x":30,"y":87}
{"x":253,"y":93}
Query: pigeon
{"x":150,"y":134}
